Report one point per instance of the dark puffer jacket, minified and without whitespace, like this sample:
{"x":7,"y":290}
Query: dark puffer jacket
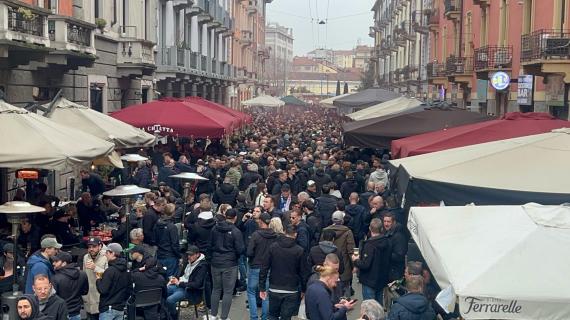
{"x":70,"y":284}
{"x":411,"y":306}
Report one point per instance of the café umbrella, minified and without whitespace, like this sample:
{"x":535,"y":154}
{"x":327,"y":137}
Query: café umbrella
{"x":498,"y":262}
{"x":31,"y":140}
{"x":122,"y":134}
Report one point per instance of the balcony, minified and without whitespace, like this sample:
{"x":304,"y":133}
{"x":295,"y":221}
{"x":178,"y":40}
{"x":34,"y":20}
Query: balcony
{"x":263,"y":51}
{"x":215,"y":12}
{"x":433,"y":19}
{"x":419,"y":23}
{"x":492,"y":58}
{"x":73,"y":41}
{"x":135,"y":56}
{"x":459,"y":69}
{"x":453,"y":9}
{"x":252,"y":7}
{"x":482,"y":3}
{"x":546,"y":51}
{"x":246,"y":38}
{"x":436,"y":73}
{"x":197,"y":8}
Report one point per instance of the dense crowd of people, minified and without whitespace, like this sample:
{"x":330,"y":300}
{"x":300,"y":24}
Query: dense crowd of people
{"x":286,"y":215}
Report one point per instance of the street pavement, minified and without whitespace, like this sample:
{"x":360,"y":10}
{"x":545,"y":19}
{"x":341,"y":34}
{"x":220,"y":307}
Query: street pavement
{"x":239,"y":311}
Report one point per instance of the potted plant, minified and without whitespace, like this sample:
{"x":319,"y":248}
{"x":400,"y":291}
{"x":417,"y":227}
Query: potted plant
{"x":26,"y":13}
{"x":101,"y":23}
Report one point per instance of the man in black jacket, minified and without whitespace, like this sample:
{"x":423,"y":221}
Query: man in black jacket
{"x":148,"y":278}
{"x":50,"y":304}
{"x":357,"y":215}
{"x":69,"y":283}
{"x":313,"y":219}
{"x":285,"y":268}
{"x":398,"y":246}
{"x":319,"y":252}
{"x":257,"y":252}
{"x":114,"y":285}
{"x":93,"y":182}
{"x":303,"y":234}
{"x":150,"y":218}
{"x":226,"y":193}
{"x":373,"y":263}
{"x":190,"y":283}
{"x":326,"y":204}
{"x":226,"y":246}
{"x":167,"y":241}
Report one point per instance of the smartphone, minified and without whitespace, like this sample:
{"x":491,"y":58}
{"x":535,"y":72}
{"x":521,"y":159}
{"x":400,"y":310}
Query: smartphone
{"x":354,"y":301}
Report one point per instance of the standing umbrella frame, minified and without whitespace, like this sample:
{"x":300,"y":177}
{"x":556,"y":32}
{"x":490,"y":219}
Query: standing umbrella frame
{"x":125,"y":192}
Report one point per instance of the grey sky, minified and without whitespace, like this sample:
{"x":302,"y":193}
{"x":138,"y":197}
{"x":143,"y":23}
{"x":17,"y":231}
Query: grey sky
{"x":348,"y":22}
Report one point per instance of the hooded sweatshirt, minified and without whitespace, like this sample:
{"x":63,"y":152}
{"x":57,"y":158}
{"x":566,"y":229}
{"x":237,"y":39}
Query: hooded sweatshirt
{"x":37,"y":264}
{"x":36,"y":314}
{"x":199,"y":233}
{"x":411,"y":306}
{"x":258,"y":247}
{"x":319,"y":252}
{"x":167,"y":239}
{"x":344,"y":241}
{"x":70,"y":283}
{"x":115,"y":286}
{"x":226,"y":245}
{"x":54,"y":307}
{"x":150,"y":278}
{"x":284,"y":266}
{"x":226,"y":193}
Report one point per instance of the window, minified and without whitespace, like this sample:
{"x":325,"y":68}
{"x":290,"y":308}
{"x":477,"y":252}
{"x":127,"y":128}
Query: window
{"x":96,"y":5}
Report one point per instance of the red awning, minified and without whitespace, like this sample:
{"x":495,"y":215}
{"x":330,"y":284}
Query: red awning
{"x":243,"y":117}
{"x":175,"y":117}
{"x":511,"y":125}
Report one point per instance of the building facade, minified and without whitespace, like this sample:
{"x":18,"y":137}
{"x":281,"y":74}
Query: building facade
{"x":400,"y":51}
{"x":109,"y":54}
{"x":319,"y":78}
{"x":97,"y":54}
{"x":492,"y":56}
{"x":279,"y":40}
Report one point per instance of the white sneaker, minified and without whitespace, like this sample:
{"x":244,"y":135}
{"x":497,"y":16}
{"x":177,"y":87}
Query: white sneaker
{"x":211,"y":317}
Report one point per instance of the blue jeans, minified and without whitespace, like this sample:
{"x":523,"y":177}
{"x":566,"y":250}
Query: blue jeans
{"x":75,"y":317}
{"x":242,"y":265}
{"x":171,"y":265}
{"x":371,"y":293}
{"x":252,"y":292}
{"x":175,"y":294}
{"x":111,"y":314}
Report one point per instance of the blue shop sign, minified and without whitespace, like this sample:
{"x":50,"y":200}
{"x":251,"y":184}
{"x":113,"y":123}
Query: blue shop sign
{"x":500,"y":80}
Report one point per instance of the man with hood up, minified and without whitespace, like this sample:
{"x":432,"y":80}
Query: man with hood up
{"x":49,"y":303}
{"x":344,"y":241}
{"x":226,"y":245}
{"x":226,"y":193}
{"x":147,"y":278}
{"x":70,"y":283}
{"x":190,"y":283}
{"x":114,"y":286}
{"x":258,"y":252}
{"x":29,"y":308}
{"x":167,"y":240}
